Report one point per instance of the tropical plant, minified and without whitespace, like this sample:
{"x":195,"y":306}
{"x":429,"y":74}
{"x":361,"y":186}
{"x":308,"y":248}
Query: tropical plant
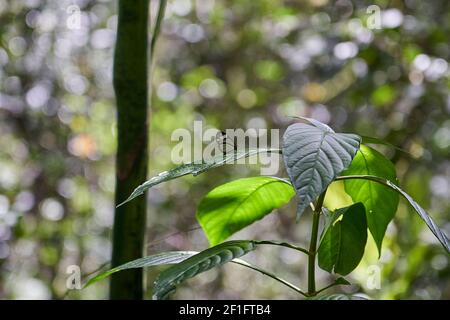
{"x":315,"y":156}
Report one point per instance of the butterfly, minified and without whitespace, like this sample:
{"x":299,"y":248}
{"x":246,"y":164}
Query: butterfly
{"x":225,"y":143}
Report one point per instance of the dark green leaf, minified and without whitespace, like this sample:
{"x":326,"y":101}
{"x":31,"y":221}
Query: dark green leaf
{"x":343,"y":244}
{"x":194,"y":169}
{"x":314,"y":155}
{"x":237,"y":204}
{"x":381,"y":203}
{"x":342,"y":282}
{"x":167,"y":280}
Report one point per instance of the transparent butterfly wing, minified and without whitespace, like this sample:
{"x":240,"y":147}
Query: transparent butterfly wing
{"x":225,"y":143}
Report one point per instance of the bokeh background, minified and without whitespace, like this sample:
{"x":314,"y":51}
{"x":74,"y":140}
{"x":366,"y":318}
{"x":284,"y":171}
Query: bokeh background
{"x":233,"y":64}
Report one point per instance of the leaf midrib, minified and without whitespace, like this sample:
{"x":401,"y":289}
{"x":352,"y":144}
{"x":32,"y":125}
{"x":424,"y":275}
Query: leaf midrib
{"x":315,"y":162}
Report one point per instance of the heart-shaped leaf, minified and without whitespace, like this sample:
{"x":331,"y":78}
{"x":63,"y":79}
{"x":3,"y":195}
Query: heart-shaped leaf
{"x":380,"y":202}
{"x":343,"y":244}
{"x":237,"y":204}
{"x":314,"y":155}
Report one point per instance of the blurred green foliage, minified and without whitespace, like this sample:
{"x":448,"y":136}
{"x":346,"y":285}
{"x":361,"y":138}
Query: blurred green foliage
{"x":233,"y":64}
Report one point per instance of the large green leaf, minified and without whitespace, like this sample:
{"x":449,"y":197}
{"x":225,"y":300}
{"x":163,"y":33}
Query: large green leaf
{"x":314,"y":155}
{"x":380,"y":202}
{"x":195,"y":169}
{"x":167,"y":280}
{"x":237,"y":204}
{"x":163,"y":258}
{"x":440,"y":235}
{"x":343,"y":244}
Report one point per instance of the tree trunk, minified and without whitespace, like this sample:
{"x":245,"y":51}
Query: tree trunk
{"x":130,"y":85}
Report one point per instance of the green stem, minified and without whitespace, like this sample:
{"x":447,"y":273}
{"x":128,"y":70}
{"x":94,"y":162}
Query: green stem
{"x":283,"y":244}
{"x":330,"y":286}
{"x":269,"y":274}
{"x":131,"y":90}
{"x":156,"y":31}
{"x":313,"y":245}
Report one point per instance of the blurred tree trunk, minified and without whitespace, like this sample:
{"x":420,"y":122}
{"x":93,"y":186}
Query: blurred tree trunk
{"x":130,"y":85}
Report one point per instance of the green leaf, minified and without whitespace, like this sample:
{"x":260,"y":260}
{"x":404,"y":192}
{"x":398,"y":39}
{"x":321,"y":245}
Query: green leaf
{"x":314,"y":155}
{"x":163,"y":258}
{"x":341,"y":282}
{"x":195,"y":169}
{"x":330,"y":218}
{"x":338,"y":282}
{"x":381,"y":203}
{"x":440,"y":235}
{"x":343,"y":244}
{"x":338,"y":296}
{"x":237,"y":204}
{"x":167,"y":280}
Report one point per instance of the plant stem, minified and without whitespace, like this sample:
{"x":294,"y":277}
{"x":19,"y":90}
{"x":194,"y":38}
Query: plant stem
{"x":269,"y":274}
{"x":131,"y":90}
{"x":313,"y":245}
{"x":283,"y":244}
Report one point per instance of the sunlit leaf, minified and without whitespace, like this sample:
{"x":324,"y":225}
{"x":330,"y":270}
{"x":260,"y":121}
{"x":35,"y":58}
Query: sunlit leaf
{"x":237,"y":204}
{"x":380,"y":202}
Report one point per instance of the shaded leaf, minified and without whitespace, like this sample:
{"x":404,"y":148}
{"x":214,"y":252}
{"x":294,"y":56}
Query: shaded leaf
{"x":330,"y":218}
{"x":314,"y":155}
{"x":342,"y":282}
{"x":237,"y":204}
{"x":194,"y":169}
{"x":163,"y":258}
{"x":167,"y":280}
{"x":343,"y":244}
{"x":380,"y":202}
